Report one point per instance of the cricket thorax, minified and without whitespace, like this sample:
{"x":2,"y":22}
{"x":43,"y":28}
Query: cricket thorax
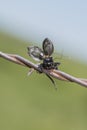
{"x":48,"y":63}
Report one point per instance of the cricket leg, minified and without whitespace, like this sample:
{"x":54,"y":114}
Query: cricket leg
{"x":51,"y":80}
{"x":30,"y":71}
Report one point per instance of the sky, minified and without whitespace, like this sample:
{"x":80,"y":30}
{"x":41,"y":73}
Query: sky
{"x":64,"y":22}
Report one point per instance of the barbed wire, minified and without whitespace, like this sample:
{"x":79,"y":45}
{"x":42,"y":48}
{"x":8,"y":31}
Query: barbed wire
{"x":53,"y":73}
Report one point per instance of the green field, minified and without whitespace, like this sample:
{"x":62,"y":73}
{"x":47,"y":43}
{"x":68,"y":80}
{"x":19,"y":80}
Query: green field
{"x":32,"y":103}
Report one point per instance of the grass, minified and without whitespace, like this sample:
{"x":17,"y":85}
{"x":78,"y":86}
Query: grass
{"x":32,"y":102}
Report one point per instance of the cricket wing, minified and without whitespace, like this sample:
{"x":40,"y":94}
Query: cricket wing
{"x":35,"y":52}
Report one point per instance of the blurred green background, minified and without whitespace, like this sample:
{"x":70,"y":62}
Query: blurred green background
{"x":31,"y":103}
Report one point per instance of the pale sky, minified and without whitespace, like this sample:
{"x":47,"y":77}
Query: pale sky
{"x":64,"y":22}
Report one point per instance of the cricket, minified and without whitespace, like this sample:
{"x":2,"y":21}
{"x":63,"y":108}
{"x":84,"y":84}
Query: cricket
{"x":47,"y":66}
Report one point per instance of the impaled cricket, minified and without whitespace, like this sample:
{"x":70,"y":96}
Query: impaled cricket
{"x":47,"y":65}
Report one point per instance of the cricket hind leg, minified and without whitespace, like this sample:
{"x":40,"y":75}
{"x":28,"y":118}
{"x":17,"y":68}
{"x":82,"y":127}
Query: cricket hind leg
{"x":51,"y":80}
